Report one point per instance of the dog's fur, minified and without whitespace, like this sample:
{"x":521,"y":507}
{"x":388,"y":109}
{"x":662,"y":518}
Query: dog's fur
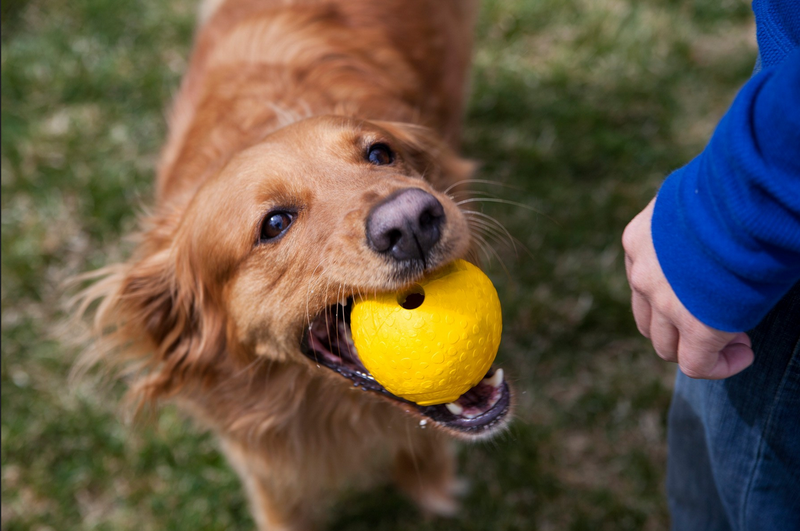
{"x":280,"y":101}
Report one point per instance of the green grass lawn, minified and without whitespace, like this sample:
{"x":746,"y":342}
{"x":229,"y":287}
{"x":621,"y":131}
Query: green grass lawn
{"x":579,"y":108}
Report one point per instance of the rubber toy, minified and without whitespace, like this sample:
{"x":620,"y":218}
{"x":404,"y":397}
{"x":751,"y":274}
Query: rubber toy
{"x":433,"y":341}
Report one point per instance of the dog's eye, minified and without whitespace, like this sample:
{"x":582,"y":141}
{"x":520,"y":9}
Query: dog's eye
{"x":380,"y":155}
{"x":275,"y":224}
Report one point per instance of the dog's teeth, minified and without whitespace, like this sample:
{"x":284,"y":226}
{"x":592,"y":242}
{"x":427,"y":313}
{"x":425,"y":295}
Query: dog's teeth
{"x":496,"y":380}
{"x":494,"y":400}
{"x":454,"y":408}
{"x":343,"y":302}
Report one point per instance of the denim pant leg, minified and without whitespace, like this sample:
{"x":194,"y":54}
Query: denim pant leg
{"x":734,"y":444}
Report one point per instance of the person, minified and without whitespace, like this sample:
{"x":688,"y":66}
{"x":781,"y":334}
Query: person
{"x":714,"y":267}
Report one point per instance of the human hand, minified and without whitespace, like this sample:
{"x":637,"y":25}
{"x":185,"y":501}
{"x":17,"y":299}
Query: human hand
{"x":677,"y":336}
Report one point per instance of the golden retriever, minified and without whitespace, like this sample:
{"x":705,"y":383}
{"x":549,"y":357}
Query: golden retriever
{"x":310,"y":151}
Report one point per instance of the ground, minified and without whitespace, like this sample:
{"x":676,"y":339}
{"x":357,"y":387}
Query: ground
{"x":578,"y":108}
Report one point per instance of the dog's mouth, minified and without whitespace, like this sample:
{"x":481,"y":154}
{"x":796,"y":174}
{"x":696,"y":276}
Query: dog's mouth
{"x":481,"y":409}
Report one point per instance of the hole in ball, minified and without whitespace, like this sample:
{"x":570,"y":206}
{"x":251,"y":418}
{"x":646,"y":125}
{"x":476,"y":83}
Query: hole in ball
{"x":412,"y":298}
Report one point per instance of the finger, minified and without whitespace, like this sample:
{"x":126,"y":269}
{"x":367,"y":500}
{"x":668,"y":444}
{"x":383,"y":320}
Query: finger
{"x":664,"y":336}
{"x":641,"y":313}
{"x":714,"y":356}
{"x":628,"y":237}
{"x":741,"y":338}
{"x":734,"y":358}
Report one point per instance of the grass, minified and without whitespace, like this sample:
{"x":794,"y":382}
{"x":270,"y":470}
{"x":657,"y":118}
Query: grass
{"x":579,"y":108}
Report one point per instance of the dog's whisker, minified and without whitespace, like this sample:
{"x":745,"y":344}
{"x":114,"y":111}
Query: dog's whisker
{"x":480,"y":181}
{"x":325,"y":299}
{"x":499,"y":200}
{"x":308,"y":292}
{"x":498,"y":238}
{"x":490,"y":249}
{"x":313,"y":283}
{"x":246,"y":370}
{"x":481,"y":241}
{"x":467,"y":194}
{"x":488,"y":218}
{"x":414,"y":456}
{"x":473,"y":255}
{"x":496,"y":230}
{"x":336,"y":323}
{"x":471,"y":191}
{"x":515,"y":242}
{"x":482,"y":246}
{"x":507,"y":202}
{"x":490,"y":229}
{"x":456,"y":184}
{"x":492,"y":236}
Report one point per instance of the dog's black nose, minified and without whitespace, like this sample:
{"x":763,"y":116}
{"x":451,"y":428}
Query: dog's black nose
{"x":406,"y":225}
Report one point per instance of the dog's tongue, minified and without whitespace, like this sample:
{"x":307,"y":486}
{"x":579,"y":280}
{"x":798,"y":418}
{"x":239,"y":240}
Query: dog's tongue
{"x":480,"y":398}
{"x":330,"y":335}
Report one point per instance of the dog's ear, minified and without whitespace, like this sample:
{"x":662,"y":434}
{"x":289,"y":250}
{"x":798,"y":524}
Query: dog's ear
{"x":430,"y":155}
{"x":155,"y":313}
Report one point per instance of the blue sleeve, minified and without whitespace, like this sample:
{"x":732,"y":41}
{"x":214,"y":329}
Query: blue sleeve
{"x":726,"y":227}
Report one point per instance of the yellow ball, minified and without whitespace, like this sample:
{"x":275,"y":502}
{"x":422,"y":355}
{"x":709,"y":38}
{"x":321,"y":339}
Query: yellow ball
{"x":435,"y":352}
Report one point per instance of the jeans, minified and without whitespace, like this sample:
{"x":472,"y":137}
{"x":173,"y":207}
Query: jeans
{"x":734,"y":444}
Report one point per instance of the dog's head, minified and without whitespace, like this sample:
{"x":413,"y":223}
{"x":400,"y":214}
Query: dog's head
{"x":264,"y":259}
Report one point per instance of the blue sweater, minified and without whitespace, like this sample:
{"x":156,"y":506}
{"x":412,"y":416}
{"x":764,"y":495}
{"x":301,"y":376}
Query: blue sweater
{"x":726,"y":227}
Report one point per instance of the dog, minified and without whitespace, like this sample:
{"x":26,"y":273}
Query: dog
{"x":311,"y":148}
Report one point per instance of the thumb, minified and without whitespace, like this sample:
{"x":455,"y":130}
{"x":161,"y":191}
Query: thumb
{"x":735,"y":357}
